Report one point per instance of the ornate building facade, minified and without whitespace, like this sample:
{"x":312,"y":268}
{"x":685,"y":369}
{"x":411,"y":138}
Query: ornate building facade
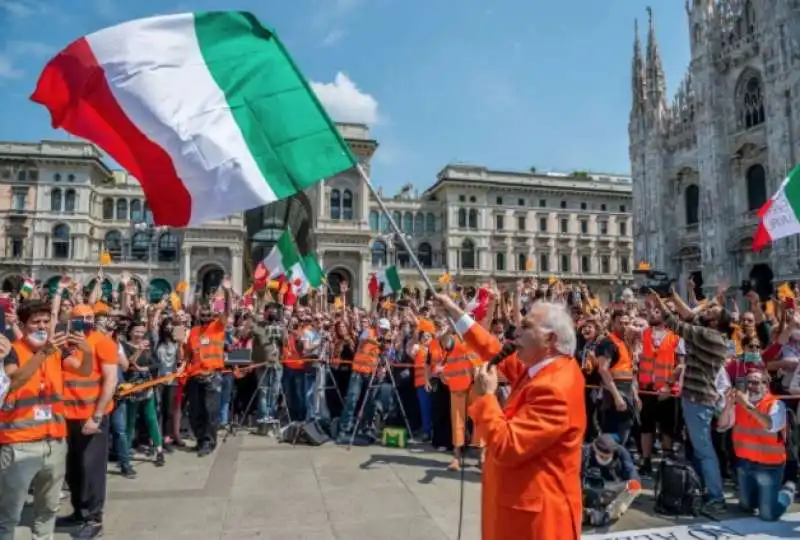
{"x":705,"y":163}
{"x":61,"y":207}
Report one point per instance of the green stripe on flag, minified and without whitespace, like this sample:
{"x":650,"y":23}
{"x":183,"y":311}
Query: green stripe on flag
{"x":393,"y":279}
{"x":312,"y":270}
{"x":792,"y":190}
{"x":287,"y":249}
{"x":288,"y":132}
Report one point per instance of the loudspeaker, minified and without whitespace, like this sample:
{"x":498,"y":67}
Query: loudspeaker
{"x":309,"y":433}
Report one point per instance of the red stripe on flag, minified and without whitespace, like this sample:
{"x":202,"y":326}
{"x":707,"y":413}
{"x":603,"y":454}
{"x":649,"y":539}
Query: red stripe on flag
{"x":762,"y":237}
{"x":74,"y":89}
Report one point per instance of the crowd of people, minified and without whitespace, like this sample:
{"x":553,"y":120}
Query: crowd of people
{"x":88,"y":379}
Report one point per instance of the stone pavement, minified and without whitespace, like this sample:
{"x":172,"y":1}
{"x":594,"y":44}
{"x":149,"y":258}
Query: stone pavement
{"x":253,"y":487}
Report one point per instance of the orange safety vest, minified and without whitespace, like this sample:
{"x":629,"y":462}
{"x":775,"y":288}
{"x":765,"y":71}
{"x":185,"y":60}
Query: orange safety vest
{"x":459,"y":366}
{"x":81,"y":393}
{"x":754,"y":443}
{"x":292,"y":359}
{"x":35,"y":411}
{"x":207,"y":346}
{"x":656,"y":366}
{"x":419,"y":366}
{"x":366,"y":358}
{"x":623,"y":369}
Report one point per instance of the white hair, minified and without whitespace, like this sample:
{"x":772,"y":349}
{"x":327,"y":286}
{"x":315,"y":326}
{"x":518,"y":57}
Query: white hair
{"x":556,"y":319}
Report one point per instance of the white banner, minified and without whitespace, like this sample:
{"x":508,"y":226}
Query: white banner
{"x":751,"y":528}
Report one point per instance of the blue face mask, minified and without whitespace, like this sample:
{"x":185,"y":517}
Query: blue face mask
{"x":752,"y":357}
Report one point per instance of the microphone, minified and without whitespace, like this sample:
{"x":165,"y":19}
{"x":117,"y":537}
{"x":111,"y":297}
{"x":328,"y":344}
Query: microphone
{"x":507,"y":350}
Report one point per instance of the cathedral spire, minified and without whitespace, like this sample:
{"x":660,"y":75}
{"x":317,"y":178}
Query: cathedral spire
{"x":656,"y":82}
{"x":637,"y":72}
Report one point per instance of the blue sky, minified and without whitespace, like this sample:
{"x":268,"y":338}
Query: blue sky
{"x":510,"y":84}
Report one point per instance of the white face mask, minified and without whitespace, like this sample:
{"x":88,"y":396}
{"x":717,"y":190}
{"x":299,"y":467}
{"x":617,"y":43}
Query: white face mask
{"x":37,"y":339}
{"x":754,"y":398}
{"x":796,"y":334}
{"x":603,"y":462}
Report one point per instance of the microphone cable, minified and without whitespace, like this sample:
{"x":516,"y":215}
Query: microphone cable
{"x":507,"y":350}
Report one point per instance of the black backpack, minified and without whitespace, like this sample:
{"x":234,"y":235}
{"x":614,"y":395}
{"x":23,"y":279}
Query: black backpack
{"x":678,"y":490}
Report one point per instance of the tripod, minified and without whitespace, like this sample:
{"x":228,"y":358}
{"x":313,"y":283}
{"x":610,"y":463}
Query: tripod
{"x":324,"y":375}
{"x":236,"y":424}
{"x":374,"y":384}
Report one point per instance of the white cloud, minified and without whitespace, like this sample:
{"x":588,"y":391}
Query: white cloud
{"x":331,"y":17}
{"x":333,"y":37}
{"x":107,"y":9}
{"x":22,"y":8}
{"x":345,"y":102}
{"x":29,"y":48}
{"x":7,"y":69}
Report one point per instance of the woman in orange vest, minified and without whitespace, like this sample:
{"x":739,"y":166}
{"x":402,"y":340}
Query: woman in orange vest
{"x":33,"y":429}
{"x":758,"y":420}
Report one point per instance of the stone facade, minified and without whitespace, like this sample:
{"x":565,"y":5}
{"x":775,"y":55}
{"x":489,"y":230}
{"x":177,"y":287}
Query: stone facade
{"x":61,"y":207}
{"x":705,"y":163}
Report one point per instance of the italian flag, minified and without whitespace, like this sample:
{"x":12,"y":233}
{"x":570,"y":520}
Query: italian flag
{"x":282,"y":259}
{"x":306,"y":274}
{"x":207,"y":110}
{"x":27,"y":287}
{"x":384,"y":282}
{"x":780,"y":216}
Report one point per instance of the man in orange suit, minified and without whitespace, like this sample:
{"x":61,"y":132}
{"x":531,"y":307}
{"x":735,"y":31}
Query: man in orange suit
{"x":532,"y":472}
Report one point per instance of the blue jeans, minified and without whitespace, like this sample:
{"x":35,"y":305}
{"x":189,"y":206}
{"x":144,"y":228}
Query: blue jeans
{"x":118,"y":431}
{"x":311,"y":394}
{"x":382,"y":395}
{"x":225,"y":398}
{"x":268,"y":392}
{"x":294,"y":391}
{"x":698,"y":423}
{"x":425,"y":409}
{"x":758,"y":488}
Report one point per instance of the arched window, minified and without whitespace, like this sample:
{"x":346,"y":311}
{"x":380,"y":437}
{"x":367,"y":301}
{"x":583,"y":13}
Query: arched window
{"x":398,"y":219}
{"x":122,"y":209}
{"x":55,"y":200}
{"x":347,"y":205}
{"x":419,"y":224}
{"x":430,"y":223}
{"x":168,"y":247}
{"x":374,"y":220}
{"x":148,"y":215}
{"x":140,"y":244}
{"x":692,"y":204}
{"x":500,"y":261}
{"x":521,"y":260}
{"x":756,"y":187}
{"x":473,"y":219}
{"x":69,"y":200}
{"x":751,"y":102}
{"x":336,"y":204}
{"x":61,"y":242}
{"x":403,"y":259}
{"x":384,"y":222}
{"x":467,"y":255}
{"x":108,"y":208}
{"x":113,"y":244}
{"x":462,"y":218}
{"x":408,"y":223}
{"x":379,"y":253}
{"x":136,"y":211}
{"x":425,"y":255}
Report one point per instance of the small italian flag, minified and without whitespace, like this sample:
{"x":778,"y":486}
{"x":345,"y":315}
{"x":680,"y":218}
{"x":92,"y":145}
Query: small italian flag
{"x":780,"y":216}
{"x":282,"y":258}
{"x":27,"y":287}
{"x":384,"y":282}
{"x":305,"y":274}
{"x":207,"y":110}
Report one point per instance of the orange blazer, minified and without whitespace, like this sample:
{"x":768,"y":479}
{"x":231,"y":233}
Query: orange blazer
{"x":531,"y":485}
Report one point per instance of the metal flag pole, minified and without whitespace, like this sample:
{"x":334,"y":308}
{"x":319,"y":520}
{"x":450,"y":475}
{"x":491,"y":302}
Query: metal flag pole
{"x":399,"y":234}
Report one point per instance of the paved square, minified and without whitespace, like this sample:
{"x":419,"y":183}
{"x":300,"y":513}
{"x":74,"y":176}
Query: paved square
{"x":254,"y":487}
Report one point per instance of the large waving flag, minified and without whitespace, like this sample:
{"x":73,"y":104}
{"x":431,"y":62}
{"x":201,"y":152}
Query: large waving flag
{"x":780,"y":216}
{"x":207,"y":110}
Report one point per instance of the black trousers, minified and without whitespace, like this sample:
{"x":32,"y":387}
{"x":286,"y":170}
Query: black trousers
{"x":166,"y":402}
{"x":87,"y":464}
{"x":442,"y":430}
{"x":205,"y":397}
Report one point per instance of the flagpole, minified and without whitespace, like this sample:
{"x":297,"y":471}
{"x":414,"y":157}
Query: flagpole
{"x":365,"y":177}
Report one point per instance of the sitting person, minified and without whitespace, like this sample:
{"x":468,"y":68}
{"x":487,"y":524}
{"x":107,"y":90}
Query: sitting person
{"x":758,"y":420}
{"x":610,"y":481}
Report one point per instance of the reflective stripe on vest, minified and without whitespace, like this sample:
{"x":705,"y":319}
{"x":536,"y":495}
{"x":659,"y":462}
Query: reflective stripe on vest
{"x":366,"y":357}
{"x":459,"y":368}
{"x":419,"y":366}
{"x":754,"y":443}
{"x":623,"y":369}
{"x":656,"y":366}
{"x":40,"y":394}
{"x":81,"y":395}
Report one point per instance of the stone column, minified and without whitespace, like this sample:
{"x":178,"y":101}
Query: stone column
{"x":236,"y":269}
{"x":360,"y":292}
{"x":187,"y":266}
